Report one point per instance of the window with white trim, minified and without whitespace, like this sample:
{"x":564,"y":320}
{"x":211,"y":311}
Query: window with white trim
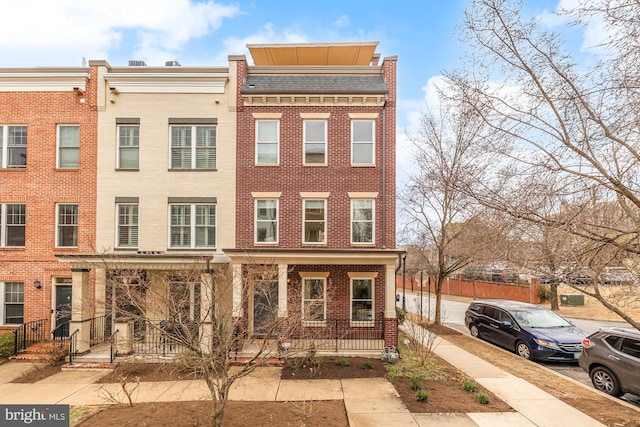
{"x":314,"y":221}
{"x":13,"y":146}
{"x":192,"y":226}
{"x":193,"y":147}
{"x":362,"y":220}
{"x":127,"y":228}
{"x":315,"y":142}
{"x":128,"y":147}
{"x":266,"y":221}
{"x":68,"y":146}
{"x":267,"y":142}
{"x":362,"y":299}
{"x":67,"y":225}
{"x":314,"y":300}
{"x":12,"y":304}
{"x":13,"y":218}
{"x":362,"y":142}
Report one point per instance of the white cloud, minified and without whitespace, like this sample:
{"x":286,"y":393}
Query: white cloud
{"x":53,"y":32}
{"x":266,"y":35}
{"x":343,"y":21}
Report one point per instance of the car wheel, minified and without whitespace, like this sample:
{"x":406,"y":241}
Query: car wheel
{"x":605,"y":380}
{"x":523,"y":350}
{"x":474,"y":331}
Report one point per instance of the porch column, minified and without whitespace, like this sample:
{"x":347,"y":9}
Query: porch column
{"x":208,"y":304}
{"x":101,"y":292}
{"x":282,"y":290}
{"x":390,"y":292}
{"x":80,"y":307}
{"x":237,"y":291}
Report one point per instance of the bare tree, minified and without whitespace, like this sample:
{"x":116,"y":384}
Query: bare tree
{"x":567,"y":134}
{"x":446,"y":155}
{"x":191,"y":313}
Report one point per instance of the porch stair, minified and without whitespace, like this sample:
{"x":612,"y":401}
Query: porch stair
{"x":44,"y":352}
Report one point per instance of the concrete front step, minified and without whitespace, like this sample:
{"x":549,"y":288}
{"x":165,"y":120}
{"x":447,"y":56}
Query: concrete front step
{"x":88,"y":366}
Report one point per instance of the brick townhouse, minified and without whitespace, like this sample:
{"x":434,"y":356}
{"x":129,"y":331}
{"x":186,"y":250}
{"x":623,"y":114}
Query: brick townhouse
{"x":316,"y":187}
{"x":48,"y":142}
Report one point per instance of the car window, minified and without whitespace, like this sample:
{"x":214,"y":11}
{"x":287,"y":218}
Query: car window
{"x":489,"y":311}
{"x":501,"y":316}
{"x":614,"y":341}
{"x":630,"y":347}
{"x":475,"y":308}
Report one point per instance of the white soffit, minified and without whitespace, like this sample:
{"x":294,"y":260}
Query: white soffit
{"x":168,"y":83}
{"x":42,"y":82}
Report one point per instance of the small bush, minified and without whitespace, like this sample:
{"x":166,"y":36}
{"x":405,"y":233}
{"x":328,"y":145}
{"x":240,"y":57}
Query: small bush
{"x":422,"y":396}
{"x":6,"y":345}
{"x":415,"y":384}
{"x":316,"y":361}
{"x":293,"y":364}
{"x":343,"y":363}
{"x":545,"y":293}
{"x":367,"y":366}
{"x":483,"y":398}
{"x":470,"y":386}
{"x":400,"y":314}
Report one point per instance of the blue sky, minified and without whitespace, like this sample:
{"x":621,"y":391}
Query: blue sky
{"x":197,"y":33}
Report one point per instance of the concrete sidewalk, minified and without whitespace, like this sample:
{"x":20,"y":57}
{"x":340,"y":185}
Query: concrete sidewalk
{"x":369,"y":402}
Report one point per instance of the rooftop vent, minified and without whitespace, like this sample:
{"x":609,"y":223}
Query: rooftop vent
{"x":136,"y":63}
{"x":172,"y":64}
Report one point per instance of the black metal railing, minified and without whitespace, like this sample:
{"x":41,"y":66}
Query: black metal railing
{"x":73,"y":345}
{"x":61,"y":332}
{"x":156,"y":341}
{"x":342,"y":334}
{"x":99,"y":329}
{"x":113,"y":353}
{"x":28,"y":334}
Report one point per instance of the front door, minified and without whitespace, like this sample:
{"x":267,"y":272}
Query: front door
{"x":63,"y":309}
{"x":265,"y":306}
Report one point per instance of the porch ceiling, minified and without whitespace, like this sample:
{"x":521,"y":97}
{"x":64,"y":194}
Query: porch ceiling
{"x":348,"y":53}
{"x":315,"y":256}
{"x":147,"y":261}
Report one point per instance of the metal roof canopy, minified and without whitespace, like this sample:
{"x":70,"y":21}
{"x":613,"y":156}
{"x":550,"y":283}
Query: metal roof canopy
{"x":309,"y":54}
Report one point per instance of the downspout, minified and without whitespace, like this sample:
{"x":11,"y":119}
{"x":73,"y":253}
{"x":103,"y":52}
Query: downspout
{"x":383,"y":218}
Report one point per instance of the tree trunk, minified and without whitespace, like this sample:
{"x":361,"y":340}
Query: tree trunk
{"x":219,"y":389}
{"x":554,"y":296}
{"x":438,"y":316}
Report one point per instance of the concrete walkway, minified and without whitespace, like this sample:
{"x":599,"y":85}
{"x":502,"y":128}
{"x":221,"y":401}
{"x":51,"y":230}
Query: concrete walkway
{"x":369,"y":402}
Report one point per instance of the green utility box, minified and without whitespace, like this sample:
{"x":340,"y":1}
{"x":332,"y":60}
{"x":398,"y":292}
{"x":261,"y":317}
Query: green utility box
{"x":572,"y":299}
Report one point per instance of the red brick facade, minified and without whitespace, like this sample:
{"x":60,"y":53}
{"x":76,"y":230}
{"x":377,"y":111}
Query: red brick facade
{"x":40,"y":185}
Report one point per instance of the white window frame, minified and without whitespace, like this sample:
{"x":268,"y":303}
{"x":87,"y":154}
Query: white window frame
{"x":130,"y":226}
{"x":4,"y":225}
{"x":371,"y":143}
{"x":322,"y":233}
{"x":3,"y":302}
{"x":305,"y":143}
{"x":69,"y":148}
{"x":353,"y":221}
{"x":276,"y":220}
{"x":305,"y":280}
{"x":193,"y":147}
{"x":135,"y":147}
{"x":260,"y":143}
{"x":368,"y":322}
{"x":4,"y":146}
{"x":58,"y":225}
{"x":193,"y":226}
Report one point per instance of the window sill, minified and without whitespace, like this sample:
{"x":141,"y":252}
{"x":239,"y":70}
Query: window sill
{"x":267,"y":164}
{"x":363,"y":165}
{"x":315,"y":323}
{"x":363,"y":244}
{"x":362,"y":323}
{"x":126,"y":249}
{"x":193,"y":170}
{"x":13,"y":248}
{"x":128,"y":170}
{"x":67,"y":169}
{"x":192,"y":249}
{"x":265,"y":243}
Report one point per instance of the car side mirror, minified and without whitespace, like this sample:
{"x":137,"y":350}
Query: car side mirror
{"x":507,"y":324}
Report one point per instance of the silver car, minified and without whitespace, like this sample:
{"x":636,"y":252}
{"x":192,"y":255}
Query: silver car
{"x":611,"y":357}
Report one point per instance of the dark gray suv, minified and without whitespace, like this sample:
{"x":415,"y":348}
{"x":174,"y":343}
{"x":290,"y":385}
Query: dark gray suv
{"x":611,"y":356}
